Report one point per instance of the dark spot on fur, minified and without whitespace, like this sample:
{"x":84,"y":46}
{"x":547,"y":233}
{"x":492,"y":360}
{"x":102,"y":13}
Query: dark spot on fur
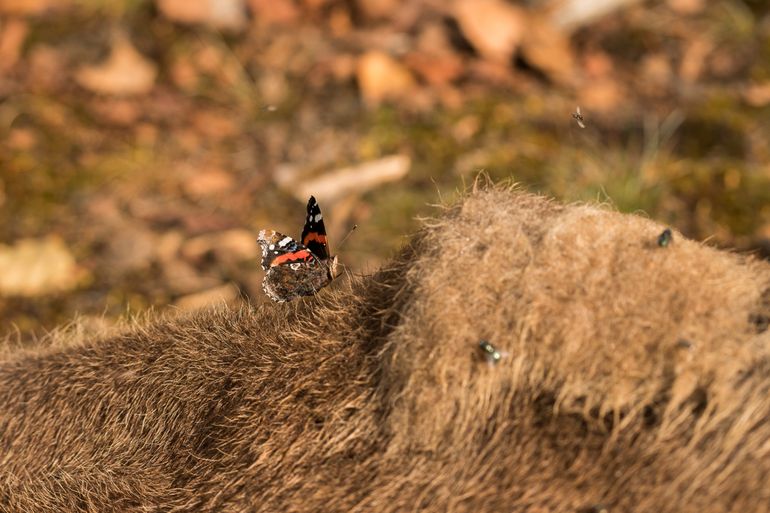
{"x":700,"y":401}
{"x":595,"y":508}
{"x":760,"y":322}
{"x":609,"y":420}
{"x":650,"y":416}
{"x":543,"y":408}
{"x":760,"y":319}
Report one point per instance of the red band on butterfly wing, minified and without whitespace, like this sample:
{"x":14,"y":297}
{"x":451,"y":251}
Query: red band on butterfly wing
{"x":302,"y":255}
{"x":314,"y":236}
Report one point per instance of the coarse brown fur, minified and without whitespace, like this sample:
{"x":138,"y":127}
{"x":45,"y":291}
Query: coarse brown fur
{"x":636,"y":379}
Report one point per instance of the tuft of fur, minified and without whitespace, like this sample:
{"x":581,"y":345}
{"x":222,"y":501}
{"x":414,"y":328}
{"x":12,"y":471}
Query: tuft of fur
{"x":634,"y":377}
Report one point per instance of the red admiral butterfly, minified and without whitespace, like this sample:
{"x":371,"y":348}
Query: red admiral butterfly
{"x":295,"y":269}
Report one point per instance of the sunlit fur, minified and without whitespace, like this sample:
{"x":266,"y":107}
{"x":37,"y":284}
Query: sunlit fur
{"x":372,"y":396}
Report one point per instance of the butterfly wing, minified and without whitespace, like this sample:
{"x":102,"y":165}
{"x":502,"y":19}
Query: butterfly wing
{"x":292,"y":270}
{"x":287,"y":282}
{"x":278,"y":249}
{"x":314,"y":232}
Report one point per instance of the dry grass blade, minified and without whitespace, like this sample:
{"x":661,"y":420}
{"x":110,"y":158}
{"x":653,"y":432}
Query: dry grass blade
{"x":350,"y":180}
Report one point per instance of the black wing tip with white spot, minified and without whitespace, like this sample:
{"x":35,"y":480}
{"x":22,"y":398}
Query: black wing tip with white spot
{"x":312,"y":206}
{"x":314,"y":232}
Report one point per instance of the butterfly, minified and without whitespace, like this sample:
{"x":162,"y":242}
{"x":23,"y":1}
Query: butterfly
{"x":297,"y":269}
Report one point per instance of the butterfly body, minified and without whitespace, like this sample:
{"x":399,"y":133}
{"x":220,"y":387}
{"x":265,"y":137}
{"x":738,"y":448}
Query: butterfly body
{"x":294,"y":268}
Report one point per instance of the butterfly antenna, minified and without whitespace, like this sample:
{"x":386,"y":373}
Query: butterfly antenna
{"x":339,"y":246}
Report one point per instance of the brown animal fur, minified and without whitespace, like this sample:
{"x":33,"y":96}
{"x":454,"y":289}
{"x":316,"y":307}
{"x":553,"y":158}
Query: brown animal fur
{"x":637,"y":378}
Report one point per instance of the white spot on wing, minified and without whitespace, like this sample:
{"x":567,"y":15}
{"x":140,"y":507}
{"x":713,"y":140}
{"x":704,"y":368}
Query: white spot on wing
{"x":318,"y":217}
{"x":272,"y":246}
{"x":284,"y":241}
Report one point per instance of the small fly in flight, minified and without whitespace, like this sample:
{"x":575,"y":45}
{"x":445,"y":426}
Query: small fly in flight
{"x":577,"y":116}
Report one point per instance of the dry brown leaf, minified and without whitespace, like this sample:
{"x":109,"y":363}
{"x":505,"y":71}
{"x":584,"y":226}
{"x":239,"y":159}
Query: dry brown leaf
{"x":495,"y":28}
{"x":694,"y":59}
{"x":757,"y":95}
{"x":356,"y":179}
{"x":182,"y":278}
{"x":274,"y":11}
{"x":342,"y":67}
{"x":686,"y":6}
{"x":20,"y":138}
{"x":31,"y":7}
{"x":436,"y":69}
{"x":184,"y":74}
{"x":433,"y":38}
{"x":116,"y":111}
{"x":569,"y":15}
{"x":130,"y":246}
{"x":596,"y":64}
{"x":374,"y":9}
{"x":13,"y":32}
{"x":466,"y":128}
{"x":340,"y":22}
{"x":168,"y":245}
{"x":221,"y":14}
{"x":723,"y":63}
{"x":237,"y":244}
{"x":603,"y":95}
{"x":380,"y":77}
{"x":548,"y":49}
{"x":34,"y":267}
{"x":451,"y":98}
{"x":273,"y":87}
{"x":47,"y":66}
{"x":126,"y":72}
{"x":196,"y":221}
{"x":656,"y":73}
{"x":314,"y":5}
{"x":146,"y":134}
{"x":215,"y":125}
{"x":229,"y":245}
{"x":224,"y":294}
{"x":495,"y":73}
{"x":209,"y":182}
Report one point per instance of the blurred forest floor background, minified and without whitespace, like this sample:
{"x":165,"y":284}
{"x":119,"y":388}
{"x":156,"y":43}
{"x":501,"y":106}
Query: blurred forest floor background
{"x":144,"y":143}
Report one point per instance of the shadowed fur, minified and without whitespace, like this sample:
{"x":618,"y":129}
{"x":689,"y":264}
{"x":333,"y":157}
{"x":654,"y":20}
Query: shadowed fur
{"x":636,"y":378}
